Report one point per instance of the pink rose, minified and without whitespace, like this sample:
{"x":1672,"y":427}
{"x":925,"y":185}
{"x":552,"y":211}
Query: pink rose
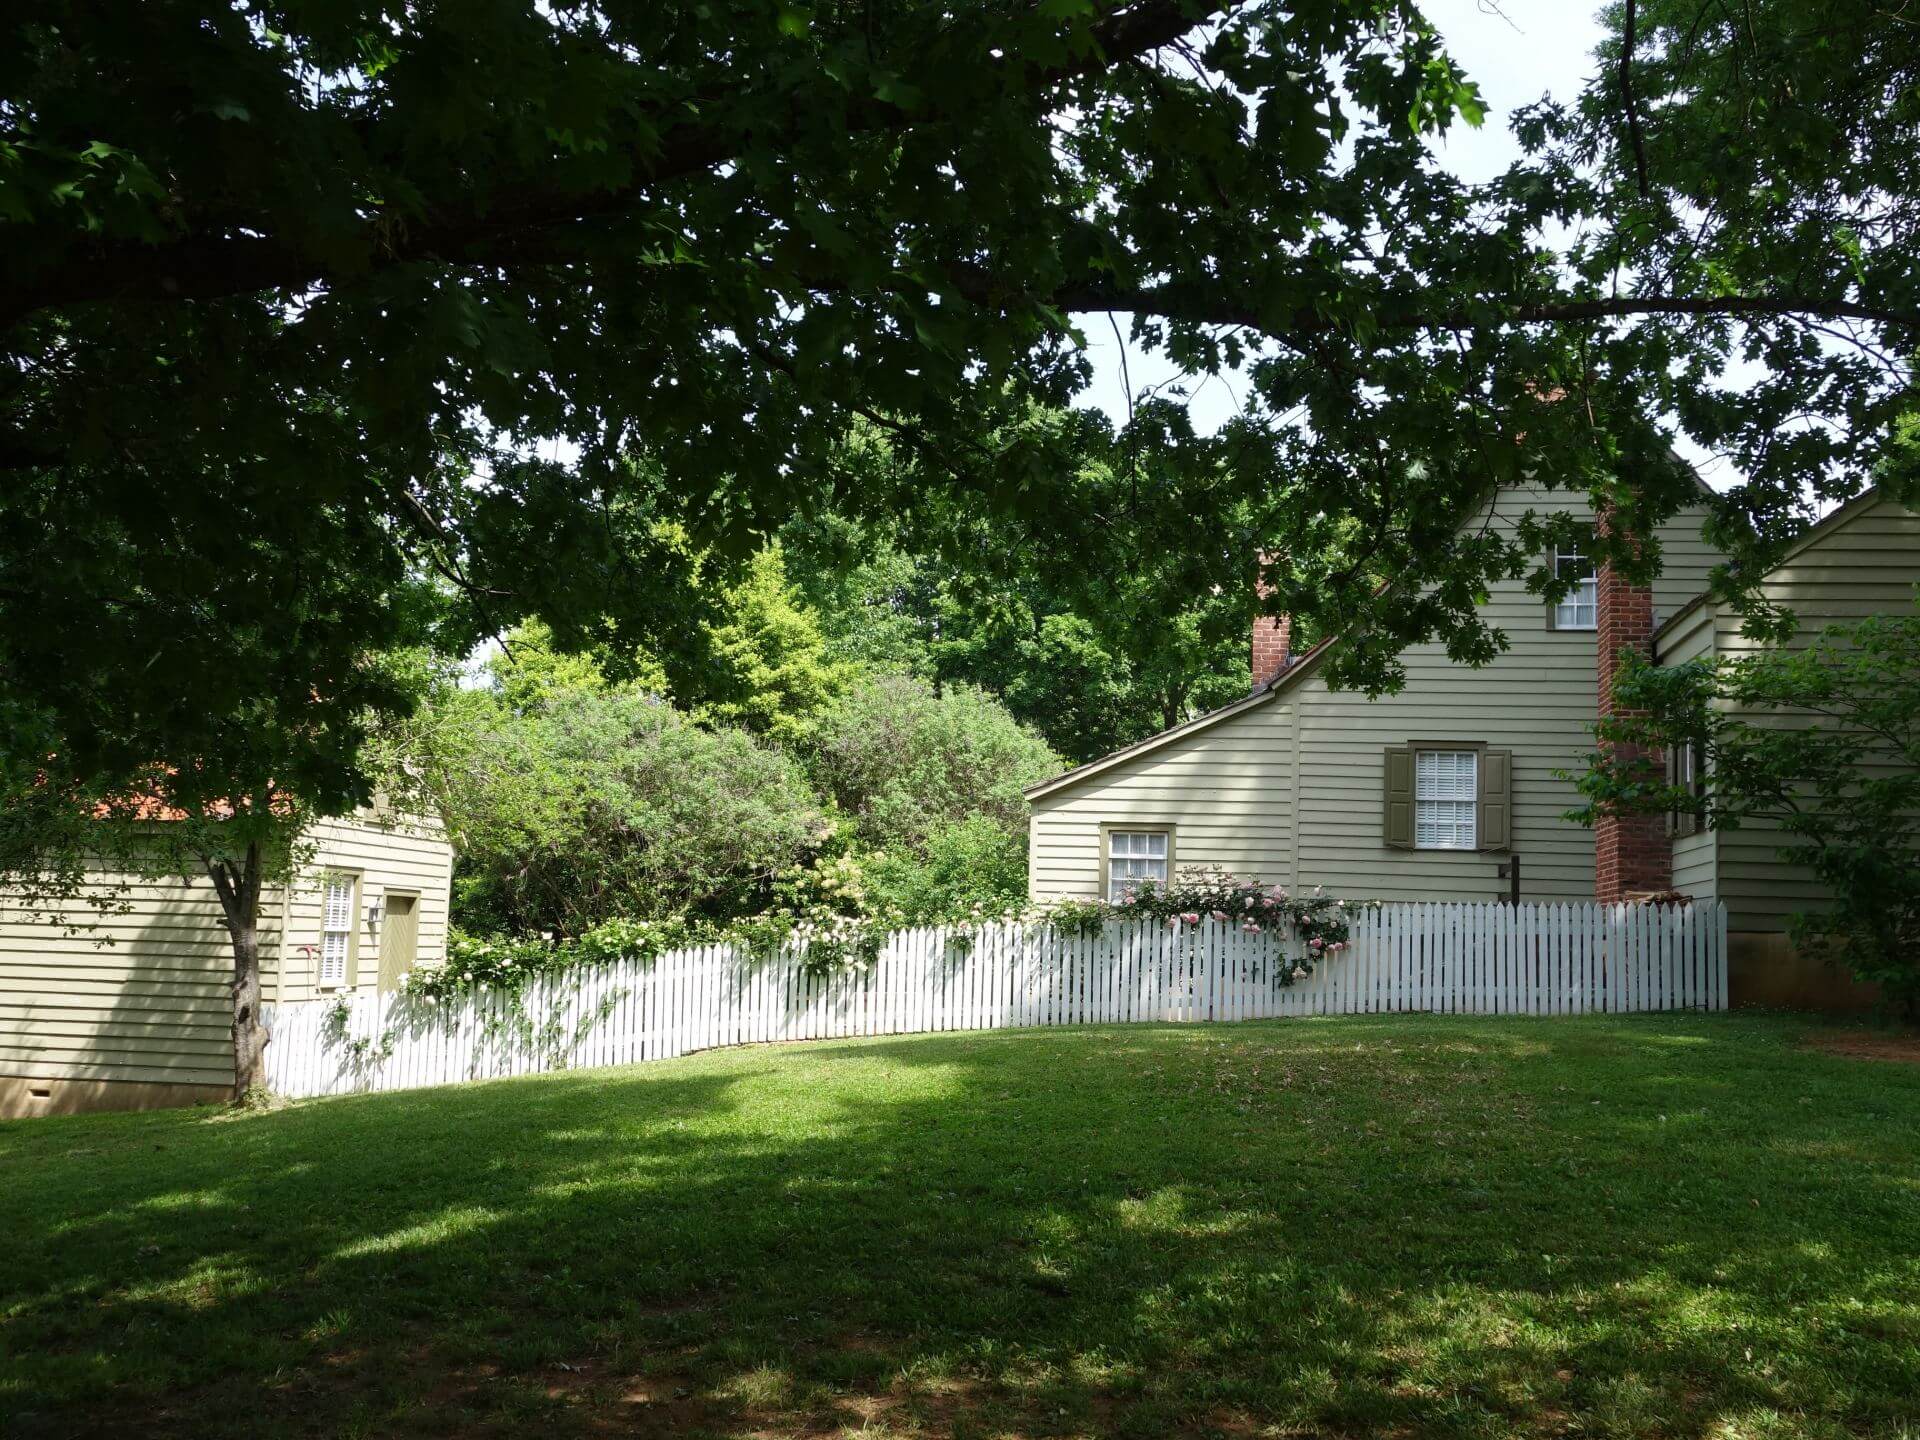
{"x":1191,"y":917}
{"x":1316,"y":942}
{"x":1219,"y":914}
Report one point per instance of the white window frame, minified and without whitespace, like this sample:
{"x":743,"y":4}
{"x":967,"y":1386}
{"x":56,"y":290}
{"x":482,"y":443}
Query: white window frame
{"x":1139,"y":860}
{"x":1438,"y":801}
{"x":1583,"y":598}
{"x":339,"y":921}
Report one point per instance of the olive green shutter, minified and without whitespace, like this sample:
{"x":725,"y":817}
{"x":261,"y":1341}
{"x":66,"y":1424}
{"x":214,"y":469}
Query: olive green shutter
{"x":1496,"y":799}
{"x":1397,"y":820}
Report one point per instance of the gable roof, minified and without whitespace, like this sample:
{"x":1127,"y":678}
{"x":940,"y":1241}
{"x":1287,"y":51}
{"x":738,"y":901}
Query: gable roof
{"x":1296,"y":669}
{"x":1814,"y":533}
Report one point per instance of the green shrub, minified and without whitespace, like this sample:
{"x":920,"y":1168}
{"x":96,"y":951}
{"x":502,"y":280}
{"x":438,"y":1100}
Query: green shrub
{"x":966,"y":869}
{"x":601,"y":804}
{"x":904,"y":762}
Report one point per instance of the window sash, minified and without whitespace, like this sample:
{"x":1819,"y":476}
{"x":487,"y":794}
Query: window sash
{"x":336,"y":929}
{"x":1581,"y":608}
{"x":1446,"y":795}
{"x":1134,"y":856}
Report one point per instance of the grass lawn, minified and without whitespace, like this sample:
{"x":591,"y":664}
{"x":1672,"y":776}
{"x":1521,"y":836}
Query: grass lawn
{"x":1409,"y":1225}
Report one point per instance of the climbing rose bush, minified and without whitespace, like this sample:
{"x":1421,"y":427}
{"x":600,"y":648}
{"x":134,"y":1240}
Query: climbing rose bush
{"x":1200,"y":893}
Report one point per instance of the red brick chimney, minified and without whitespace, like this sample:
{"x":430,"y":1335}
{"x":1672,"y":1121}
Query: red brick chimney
{"x":1632,"y":854}
{"x":1272,"y":638}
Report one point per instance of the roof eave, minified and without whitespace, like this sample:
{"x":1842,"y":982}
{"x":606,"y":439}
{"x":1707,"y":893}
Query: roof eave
{"x":1307,"y":659}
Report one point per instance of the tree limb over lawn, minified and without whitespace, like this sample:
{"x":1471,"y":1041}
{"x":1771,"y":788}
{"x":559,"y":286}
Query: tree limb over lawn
{"x":335,"y":329}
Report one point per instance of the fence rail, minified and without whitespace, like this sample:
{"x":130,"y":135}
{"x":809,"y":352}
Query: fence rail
{"x":1482,"y":959}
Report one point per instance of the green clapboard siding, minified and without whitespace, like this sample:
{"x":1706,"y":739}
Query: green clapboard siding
{"x":139,"y":992}
{"x":1293,"y":790}
{"x":1865,"y":560}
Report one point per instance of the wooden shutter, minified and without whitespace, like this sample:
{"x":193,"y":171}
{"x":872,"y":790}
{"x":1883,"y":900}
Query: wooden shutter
{"x":1397,"y":816}
{"x":1683,"y":822}
{"x":1496,"y":799}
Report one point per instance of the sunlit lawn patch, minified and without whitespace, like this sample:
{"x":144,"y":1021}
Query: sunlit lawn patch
{"x":1445,"y":1225}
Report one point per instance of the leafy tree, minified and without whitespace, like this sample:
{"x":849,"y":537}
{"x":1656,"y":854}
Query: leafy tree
{"x":600,"y":803}
{"x":878,"y":600}
{"x":288,"y":322}
{"x":1098,"y":621}
{"x":903,"y":762}
{"x":206,"y":772}
{"x":1821,"y":742}
{"x":773,"y":675}
{"x":970,"y":867}
{"x":308,"y":271}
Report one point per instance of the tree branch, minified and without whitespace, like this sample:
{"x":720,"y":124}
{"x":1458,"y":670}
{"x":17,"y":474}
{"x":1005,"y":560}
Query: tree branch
{"x":1214,"y":308}
{"x":1634,"y":135}
{"x":210,"y":267}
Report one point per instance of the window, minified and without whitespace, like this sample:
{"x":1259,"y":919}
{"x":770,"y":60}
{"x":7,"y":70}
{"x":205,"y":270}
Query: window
{"x":1580,"y":610}
{"x":1134,"y":856}
{"x":336,"y":929}
{"x":1447,"y":795}
{"x":1687,"y":771}
{"x":1446,"y":785}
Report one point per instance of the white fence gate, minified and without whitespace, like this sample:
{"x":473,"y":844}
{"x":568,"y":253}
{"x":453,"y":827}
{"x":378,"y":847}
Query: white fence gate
{"x":1483,"y":959}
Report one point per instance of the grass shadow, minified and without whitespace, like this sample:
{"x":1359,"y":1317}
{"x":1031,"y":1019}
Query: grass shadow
{"x":1658,"y":1226}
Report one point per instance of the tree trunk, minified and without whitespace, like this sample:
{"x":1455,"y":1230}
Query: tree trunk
{"x":239,"y":887}
{"x":249,"y":1035}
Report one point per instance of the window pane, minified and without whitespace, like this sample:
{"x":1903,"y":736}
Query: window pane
{"x":333,"y":957}
{"x":1445,"y":774}
{"x":339,"y":912}
{"x":1133,"y":858}
{"x":1445,"y":787}
{"x":336,"y":925}
{"x":1578,"y":610}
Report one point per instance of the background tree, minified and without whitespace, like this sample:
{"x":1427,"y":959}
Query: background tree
{"x":602,"y":802}
{"x":902,"y":762}
{"x":772,"y":674}
{"x":1821,"y":743}
{"x":1110,"y":615}
{"x":262,"y":260}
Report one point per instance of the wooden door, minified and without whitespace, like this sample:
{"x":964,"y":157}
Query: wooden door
{"x":399,"y":939}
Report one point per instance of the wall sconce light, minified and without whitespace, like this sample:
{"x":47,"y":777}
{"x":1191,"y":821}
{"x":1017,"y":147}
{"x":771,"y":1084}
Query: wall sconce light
{"x":373,"y":913}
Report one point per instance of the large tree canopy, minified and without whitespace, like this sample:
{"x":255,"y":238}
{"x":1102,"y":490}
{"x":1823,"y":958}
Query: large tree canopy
{"x":523,"y":297}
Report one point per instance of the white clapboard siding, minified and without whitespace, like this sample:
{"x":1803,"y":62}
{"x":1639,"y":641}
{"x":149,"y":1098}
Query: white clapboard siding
{"x":1478,"y":958}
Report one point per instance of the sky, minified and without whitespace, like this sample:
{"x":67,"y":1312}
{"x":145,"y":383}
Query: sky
{"x":1517,"y":51}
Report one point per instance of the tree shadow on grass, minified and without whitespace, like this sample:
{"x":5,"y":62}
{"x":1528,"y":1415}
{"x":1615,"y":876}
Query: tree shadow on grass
{"x":1425,"y":1225}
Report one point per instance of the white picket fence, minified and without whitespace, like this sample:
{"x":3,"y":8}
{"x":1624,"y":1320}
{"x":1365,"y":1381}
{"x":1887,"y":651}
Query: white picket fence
{"x":1482,"y":959}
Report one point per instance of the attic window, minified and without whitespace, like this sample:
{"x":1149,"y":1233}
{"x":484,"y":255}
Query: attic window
{"x":1580,"y":610}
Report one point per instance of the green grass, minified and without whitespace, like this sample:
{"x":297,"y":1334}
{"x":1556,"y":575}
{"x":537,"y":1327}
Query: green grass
{"x":1419,"y":1226}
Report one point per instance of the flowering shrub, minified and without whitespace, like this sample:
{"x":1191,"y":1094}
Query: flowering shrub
{"x":1200,"y":893}
{"x":827,"y":909}
{"x":508,"y":963}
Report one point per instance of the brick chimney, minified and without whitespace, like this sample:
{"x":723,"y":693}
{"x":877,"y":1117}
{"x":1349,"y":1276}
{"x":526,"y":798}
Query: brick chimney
{"x":1632,"y":854}
{"x":1272,"y":638}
